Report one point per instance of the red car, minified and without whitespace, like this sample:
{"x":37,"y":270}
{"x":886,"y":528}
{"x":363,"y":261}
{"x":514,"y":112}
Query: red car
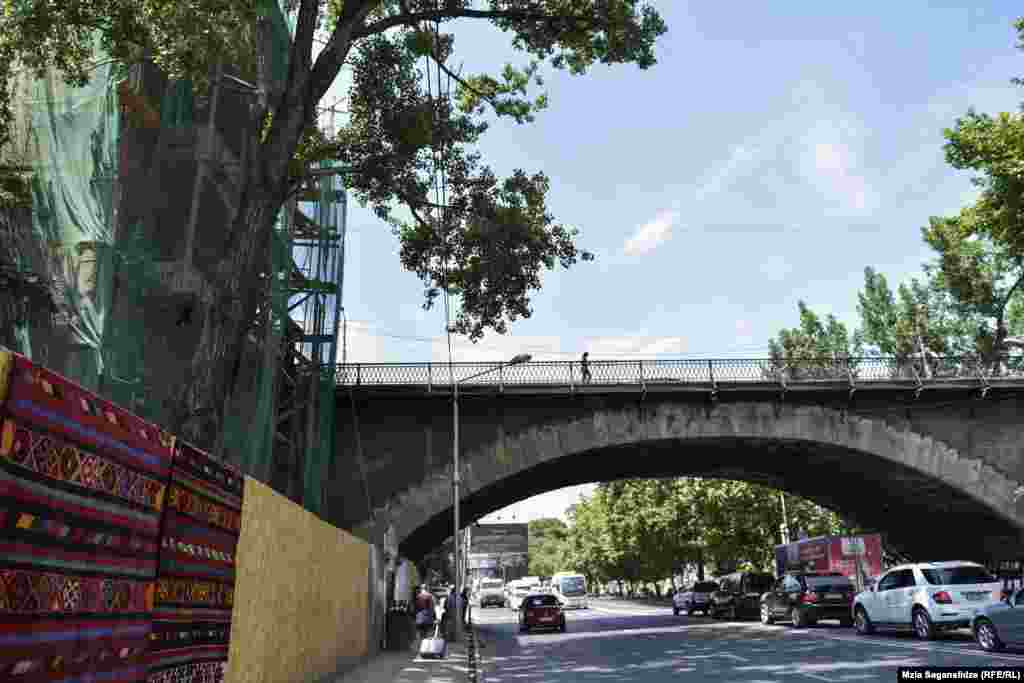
{"x":541,"y":611}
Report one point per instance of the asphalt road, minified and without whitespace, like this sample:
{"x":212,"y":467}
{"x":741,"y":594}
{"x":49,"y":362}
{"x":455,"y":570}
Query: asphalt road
{"x":616,"y":640}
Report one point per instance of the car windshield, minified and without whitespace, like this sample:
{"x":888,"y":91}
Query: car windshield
{"x":829,"y":583}
{"x":542,"y":601}
{"x":759,"y":583}
{"x":958,"y":576}
{"x":572,"y":585}
{"x":706,"y":587}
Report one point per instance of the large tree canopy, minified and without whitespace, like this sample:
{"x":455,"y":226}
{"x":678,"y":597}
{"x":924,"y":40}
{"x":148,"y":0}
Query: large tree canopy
{"x":482,"y":237}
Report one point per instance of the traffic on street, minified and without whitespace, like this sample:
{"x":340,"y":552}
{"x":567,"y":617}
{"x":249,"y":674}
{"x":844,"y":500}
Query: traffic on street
{"x":627,"y":640}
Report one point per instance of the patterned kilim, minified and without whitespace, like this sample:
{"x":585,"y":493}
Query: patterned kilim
{"x":82,"y":487}
{"x":196,"y":579}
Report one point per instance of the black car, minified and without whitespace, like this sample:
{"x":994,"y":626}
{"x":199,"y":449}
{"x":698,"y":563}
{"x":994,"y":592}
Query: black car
{"x":805,"y":597}
{"x":739,"y":594}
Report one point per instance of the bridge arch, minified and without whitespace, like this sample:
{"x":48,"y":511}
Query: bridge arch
{"x":924,"y":493}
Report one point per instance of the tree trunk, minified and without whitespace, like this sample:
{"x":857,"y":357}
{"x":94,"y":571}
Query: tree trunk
{"x":228,"y":314}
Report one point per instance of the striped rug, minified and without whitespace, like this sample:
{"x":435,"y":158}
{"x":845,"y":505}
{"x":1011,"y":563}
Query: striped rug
{"x":82,"y":487}
{"x":196,"y":579}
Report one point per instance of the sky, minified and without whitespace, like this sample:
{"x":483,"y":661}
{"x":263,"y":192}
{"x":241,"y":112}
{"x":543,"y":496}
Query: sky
{"x":769,"y":156}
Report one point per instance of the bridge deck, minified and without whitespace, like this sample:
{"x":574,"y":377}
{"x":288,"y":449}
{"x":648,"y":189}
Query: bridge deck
{"x":696,"y":376}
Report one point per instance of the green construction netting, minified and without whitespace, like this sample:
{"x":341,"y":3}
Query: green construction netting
{"x":70,"y":140}
{"x":117,"y":185}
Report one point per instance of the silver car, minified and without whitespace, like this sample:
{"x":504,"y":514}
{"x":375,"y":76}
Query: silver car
{"x":1001,"y":624}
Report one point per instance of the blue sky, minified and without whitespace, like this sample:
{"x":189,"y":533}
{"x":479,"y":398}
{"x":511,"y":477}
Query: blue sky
{"x":775,"y":151}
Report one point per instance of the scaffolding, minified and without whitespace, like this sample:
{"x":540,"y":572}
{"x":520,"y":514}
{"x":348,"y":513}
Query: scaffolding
{"x":133,"y":178}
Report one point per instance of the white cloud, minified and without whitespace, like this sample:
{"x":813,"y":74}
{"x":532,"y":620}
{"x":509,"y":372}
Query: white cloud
{"x":548,"y":504}
{"x":832,"y":164}
{"x":495,"y":347}
{"x":637,"y":346}
{"x":652,"y":234}
{"x":362,"y":344}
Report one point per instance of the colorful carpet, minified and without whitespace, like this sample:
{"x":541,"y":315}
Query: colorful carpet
{"x":82,"y":487}
{"x":196,"y":577}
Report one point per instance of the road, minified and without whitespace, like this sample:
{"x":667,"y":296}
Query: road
{"x":621,"y":641}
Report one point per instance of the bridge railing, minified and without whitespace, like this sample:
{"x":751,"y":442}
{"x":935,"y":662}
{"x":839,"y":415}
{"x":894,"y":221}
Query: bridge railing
{"x":688,"y":371}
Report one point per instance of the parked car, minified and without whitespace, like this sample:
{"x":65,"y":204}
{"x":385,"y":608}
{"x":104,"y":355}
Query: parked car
{"x":739,"y":594}
{"x":491,"y":592}
{"x":927,"y":597}
{"x":1000,"y":624}
{"x":697,"y":598}
{"x":803,"y":598}
{"x":541,"y":610}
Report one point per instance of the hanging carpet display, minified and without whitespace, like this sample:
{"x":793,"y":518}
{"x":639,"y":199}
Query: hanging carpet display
{"x":82,"y":489}
{"x":196,"y":578}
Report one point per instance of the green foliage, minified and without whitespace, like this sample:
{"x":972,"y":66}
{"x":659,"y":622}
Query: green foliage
{"x":549,"y":547}
{"x":496,"y":235}
{"x":922,"y":312}
{"x":815,"y":349}
{"x":646,"y":530}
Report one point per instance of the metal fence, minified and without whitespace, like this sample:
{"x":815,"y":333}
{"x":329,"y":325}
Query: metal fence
{"x":702,"y":372}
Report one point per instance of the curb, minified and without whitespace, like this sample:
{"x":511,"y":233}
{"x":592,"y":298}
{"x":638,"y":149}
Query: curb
{"x":472,"y":655}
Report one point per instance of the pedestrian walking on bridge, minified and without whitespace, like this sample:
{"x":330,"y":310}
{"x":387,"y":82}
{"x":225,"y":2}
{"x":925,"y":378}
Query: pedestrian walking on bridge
{"x":585,"y":367}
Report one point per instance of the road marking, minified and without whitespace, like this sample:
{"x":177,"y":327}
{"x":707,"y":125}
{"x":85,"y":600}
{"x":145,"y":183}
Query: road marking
{"x":916,"y":646}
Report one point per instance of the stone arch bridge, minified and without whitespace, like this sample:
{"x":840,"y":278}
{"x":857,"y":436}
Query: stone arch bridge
{"x":932,"y":458}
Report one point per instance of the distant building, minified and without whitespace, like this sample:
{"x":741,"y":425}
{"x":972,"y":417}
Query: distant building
{"x":498,"y":550}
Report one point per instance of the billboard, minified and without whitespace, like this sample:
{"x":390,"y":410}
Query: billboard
{"x":498,"y":550}
{"x":859,"y":557}
{"x":498,"y":539}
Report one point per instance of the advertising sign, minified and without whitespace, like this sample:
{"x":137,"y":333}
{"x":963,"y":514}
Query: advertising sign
{"x":858,"y":557}
{"x":499,"y":539}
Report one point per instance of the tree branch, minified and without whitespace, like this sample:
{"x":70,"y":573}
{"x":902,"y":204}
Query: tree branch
{"x":329,"y":62}
{"x":412,"y":19}
{"x":490,"y":99}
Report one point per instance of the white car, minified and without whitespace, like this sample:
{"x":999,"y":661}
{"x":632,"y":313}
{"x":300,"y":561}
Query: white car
{"x":927,"y":597}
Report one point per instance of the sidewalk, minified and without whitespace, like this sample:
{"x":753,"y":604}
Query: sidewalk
{"x":407,"y":667}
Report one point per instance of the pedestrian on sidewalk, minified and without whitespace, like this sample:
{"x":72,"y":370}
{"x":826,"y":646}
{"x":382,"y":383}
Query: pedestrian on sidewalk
{"x":464,"y":605}
{"x":425,"y":617}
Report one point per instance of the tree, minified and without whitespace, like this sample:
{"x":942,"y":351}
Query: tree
{"x":922,"y":320}
{"x":486,"y":240}
{"x":816,"y":349}
{"x":549,"y":546}
{"x":983,"y":275}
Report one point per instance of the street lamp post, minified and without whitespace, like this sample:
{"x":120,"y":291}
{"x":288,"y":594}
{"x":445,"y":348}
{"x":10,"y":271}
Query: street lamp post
{"x":521,"y":358}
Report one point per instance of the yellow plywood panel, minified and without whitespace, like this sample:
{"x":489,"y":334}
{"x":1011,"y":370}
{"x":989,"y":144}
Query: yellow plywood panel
{"x":6,"y":363}
{"x":300,"y":593}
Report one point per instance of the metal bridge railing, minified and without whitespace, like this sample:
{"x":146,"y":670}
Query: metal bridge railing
{"x":804,"y":371}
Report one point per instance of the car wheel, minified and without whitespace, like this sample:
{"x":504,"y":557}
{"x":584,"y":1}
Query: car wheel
{"x":862,"y":622}
{"x":561,"y":627}
{"x":987,"y":636}
{"x":923,"y":626}
{"x":846,"y":622}
{"x":798,"y":617}
{"x":675,"y":611}
{"x":732,"y":613}
{"x":689,"y":612}
{"x":766,"y":615}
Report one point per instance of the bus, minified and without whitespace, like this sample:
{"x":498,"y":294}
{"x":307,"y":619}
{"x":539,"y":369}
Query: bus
{"x":571,"y":589}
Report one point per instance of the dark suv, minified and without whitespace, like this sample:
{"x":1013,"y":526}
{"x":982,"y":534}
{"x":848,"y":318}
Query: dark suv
{"x":805,"y":597}
{"x":739,"y":594}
